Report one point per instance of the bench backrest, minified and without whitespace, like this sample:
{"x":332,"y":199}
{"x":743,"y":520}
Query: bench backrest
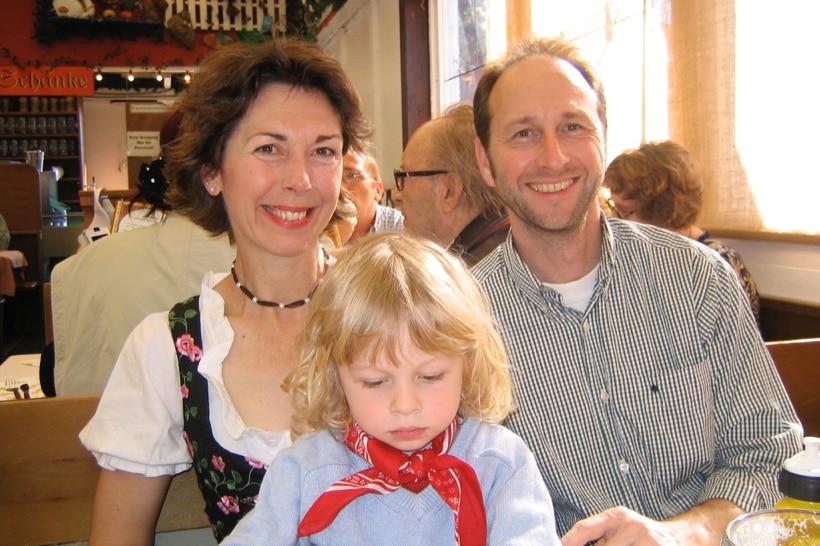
{"x":798,"y":362}
{"x":49,"y":479}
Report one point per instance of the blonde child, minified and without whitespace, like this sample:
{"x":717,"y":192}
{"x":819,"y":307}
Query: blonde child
{"x":401,"y":380}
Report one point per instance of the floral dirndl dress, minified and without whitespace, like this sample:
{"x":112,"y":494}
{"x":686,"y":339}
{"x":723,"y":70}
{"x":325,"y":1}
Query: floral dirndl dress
{"x":229,"y":481}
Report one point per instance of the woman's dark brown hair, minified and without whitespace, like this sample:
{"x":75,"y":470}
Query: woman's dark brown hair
{"x":220,"y":94}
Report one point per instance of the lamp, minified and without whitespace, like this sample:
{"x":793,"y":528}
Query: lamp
{"x":99,"y":75}
{"x":130,"y":76}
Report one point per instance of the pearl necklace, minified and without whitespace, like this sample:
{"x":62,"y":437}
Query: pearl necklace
{"x":298,"y":303}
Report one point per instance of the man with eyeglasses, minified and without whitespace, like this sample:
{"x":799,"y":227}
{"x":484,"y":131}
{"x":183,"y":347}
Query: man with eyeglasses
{"x":440,"y":191}
{"x":363,"y":182}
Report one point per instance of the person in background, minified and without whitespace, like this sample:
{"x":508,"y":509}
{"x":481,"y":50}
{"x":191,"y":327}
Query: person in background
{"x":5,"y":235}
{"x":403,"y":388}
{"x":643,"y":386}
{"x":362,"y":179}
{"x":340,"y":228}
{"x":658,"y":184}
{"x":440,"y":191}
{"x":259,"y":157}
{"x":100,"y":294}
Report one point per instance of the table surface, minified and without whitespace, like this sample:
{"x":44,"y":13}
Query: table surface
{"x":21,"y":369}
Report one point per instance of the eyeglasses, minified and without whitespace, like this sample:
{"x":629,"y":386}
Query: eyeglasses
{"x":352,"y":175}
{"x":618,"y":213}
{"x":399,"y":176}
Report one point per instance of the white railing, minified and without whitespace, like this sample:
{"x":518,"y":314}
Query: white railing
{"x":214,"y":14}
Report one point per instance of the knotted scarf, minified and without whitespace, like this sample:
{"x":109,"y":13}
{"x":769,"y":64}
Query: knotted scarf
{"x":454,"y":480}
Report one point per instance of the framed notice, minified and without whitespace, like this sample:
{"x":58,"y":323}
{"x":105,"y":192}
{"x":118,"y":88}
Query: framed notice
{"x":142,"y":143}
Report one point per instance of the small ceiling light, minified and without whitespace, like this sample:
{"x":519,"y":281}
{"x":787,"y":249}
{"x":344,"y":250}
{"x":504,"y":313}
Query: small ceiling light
{"x":158,"y":76}
{"x":99,"y":76}
{"x":187,"y":77}
{"x":130,"y":76}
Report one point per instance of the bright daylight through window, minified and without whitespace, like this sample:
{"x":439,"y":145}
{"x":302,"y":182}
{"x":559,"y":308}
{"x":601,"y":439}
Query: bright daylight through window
{"x":728,"y":80}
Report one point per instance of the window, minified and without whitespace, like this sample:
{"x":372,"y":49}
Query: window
{"x":729,"y":80}
{"x":469,"y":33}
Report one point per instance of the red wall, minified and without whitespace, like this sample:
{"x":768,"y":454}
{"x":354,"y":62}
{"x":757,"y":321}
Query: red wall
{"x":18,"y":47}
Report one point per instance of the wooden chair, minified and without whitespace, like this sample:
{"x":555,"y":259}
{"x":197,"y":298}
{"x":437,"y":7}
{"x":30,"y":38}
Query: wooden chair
{"x":21,"y":207}
{"x":49,"y":479}
{"x":22,"y":210}
{"x":798,"y":362}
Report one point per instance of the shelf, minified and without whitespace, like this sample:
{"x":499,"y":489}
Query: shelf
{"x":40,"y":135}
{"x":66,"y":27}
{"x":70,"y":113}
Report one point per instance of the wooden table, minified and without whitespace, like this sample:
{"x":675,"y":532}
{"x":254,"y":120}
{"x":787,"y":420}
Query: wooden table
{"x":21,"y":369}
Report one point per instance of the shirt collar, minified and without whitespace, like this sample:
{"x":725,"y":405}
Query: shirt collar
{"x":535,"y":290}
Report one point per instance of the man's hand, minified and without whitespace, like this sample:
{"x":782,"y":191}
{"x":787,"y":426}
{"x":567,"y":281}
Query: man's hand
{"x":619,"y":526}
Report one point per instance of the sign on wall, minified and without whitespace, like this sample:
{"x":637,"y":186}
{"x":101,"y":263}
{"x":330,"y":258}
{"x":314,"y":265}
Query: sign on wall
{"x":46,"y":81}
{"x":143,"y":143}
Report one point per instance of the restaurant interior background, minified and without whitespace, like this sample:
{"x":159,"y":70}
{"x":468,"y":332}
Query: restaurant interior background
{"x":105,"y":134}
{"x":373,"y":39}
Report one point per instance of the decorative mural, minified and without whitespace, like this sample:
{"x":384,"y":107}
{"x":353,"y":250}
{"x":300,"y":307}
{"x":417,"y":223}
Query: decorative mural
{"x":226,"y":20}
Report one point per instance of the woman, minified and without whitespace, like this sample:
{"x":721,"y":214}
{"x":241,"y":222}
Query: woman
{"x":259,"y":155}
{"x":657,"y":184}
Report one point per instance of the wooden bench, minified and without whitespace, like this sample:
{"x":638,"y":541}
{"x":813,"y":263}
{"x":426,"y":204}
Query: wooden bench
{"x":798,"y":362}
{"x":49,"y":479}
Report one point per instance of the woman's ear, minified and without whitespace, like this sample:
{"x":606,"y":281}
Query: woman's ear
{"x":211,"y":180}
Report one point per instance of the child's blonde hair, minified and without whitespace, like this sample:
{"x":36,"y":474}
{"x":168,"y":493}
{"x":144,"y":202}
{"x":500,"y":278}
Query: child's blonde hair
{"x":386,"y":284}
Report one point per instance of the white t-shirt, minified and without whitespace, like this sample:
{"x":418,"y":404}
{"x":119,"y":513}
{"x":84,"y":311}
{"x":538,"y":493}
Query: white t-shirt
{"x":576,"y":294}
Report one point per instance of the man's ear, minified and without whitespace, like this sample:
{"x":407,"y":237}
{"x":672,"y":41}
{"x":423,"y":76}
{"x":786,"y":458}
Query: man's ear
{"x":452,"y":192}
{"x":484,"y":163}
{"x":379,"y":187}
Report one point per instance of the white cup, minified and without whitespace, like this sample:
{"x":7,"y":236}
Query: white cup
{"x":35,"y":157}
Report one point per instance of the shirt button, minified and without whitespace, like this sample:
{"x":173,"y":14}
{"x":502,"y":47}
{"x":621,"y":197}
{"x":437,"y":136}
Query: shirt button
{"x":586,"y":326}
{"x":623,"y":466}
{"x":604,"y":395}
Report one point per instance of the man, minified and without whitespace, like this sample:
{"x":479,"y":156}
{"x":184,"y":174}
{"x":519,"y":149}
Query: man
{"x":643,"y":387}
{"x":100,"y":294}
{"x":363,"y":182}
{"x":440,"y":190}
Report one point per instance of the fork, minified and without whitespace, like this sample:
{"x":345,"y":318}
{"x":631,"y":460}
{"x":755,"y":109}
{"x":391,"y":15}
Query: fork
{"x":12,"y":385}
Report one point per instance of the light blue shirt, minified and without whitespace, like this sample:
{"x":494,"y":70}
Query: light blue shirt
{"x":518,"y":507}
